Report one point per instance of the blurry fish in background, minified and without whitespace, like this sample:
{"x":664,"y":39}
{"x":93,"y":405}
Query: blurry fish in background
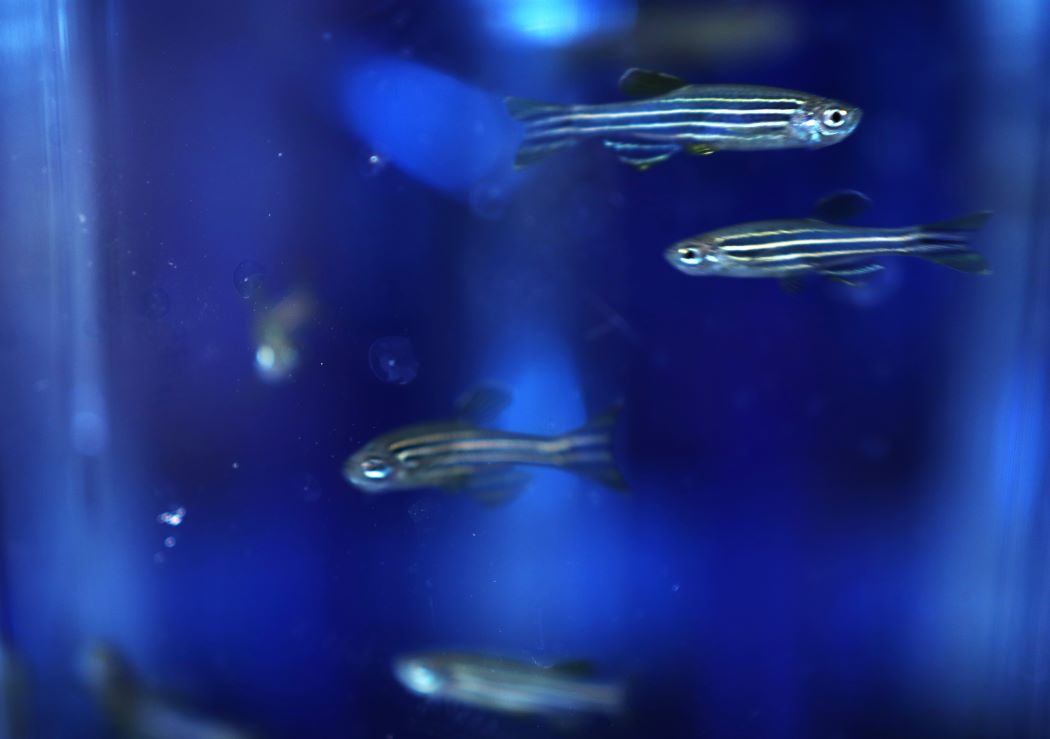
{"x":673,"y":115}
{"x":459,"y":455}
{"x":14,"y":695}
{"x":789,"y":249}
{"x":277,"y":332}
{"x":701,"y":35}
{"x":136,"y":712}
{"x":558,"y":693}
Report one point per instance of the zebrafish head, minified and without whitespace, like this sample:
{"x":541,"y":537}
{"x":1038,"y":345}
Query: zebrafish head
{"x":420,"y":674}
{"x":697,"y":256}
{"x":372,"y":470}
{"x":822,"y":122}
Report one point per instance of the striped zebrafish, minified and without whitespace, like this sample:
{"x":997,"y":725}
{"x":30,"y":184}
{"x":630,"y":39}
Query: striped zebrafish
{"x":788,"y":249}
{"x":510,"y":686}
{"x":460,"y":455}
{"x":673,"y":116}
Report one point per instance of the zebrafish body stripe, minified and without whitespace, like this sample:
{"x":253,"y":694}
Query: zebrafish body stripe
{"x":720,"y":119}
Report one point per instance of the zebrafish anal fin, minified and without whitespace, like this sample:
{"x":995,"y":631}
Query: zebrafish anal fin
{"x":701,"y":150}
{"x":497,"y":489}
{"x":643,"y":83}
{"x":483,"y":403}
{"x":641,"y":156}
{"x":840,"y":207}
{"x":854,"y":275}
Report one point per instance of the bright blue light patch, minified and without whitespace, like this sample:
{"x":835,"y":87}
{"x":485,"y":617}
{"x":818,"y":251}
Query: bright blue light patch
{"x":557,"y":22}
{"x":434,"y":127}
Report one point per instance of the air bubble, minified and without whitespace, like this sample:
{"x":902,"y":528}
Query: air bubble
{"x":373,"y":165}
{"x":248,"y":278}
{"x":169,"y":542}
{"x":393,"y":360}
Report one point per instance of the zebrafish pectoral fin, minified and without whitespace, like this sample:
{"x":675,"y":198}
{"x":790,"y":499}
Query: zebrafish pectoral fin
{"x":842,"y":206}
{"x":644,"y":83}
{"x":641,"y":156}
{"x":701,"y":150}
{"x":854,"y":275}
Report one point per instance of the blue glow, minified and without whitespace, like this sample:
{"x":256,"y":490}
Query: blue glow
{"x":557,"y":22}
{"x":440,"y":130}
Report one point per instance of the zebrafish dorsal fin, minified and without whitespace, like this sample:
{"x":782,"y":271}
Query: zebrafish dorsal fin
{"x":840,"y":207}
{"x":483,"y":403}
{"x":643,"y":83}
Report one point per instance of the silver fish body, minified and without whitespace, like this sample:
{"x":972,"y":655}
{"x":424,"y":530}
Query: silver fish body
{"x":458,"y":455}
{"x":508,"y":686}
{"x":700,"y":119}
{"x":788,"y":249}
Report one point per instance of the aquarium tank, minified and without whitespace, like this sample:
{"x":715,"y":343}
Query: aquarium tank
{"x":524,"y":368}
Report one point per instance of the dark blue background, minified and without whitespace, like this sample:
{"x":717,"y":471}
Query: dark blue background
{"x":781,"y":564}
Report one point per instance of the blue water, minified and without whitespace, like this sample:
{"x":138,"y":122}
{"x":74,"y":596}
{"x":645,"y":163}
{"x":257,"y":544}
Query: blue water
{"x":242,"y":239}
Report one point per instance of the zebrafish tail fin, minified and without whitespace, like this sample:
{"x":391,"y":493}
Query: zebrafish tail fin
{"x":954,"y":251}
{"x":547,"y":129}
{"x":589,"y":450}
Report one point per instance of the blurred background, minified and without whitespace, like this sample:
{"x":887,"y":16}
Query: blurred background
{"x":241,"y":239}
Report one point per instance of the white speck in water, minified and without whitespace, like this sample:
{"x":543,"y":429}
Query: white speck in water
{"x":280,"y":154}
{"x":675,"y":588}
{"x":236,"y":465}
{"x":169,"y":542}
{"x":172,"y":518}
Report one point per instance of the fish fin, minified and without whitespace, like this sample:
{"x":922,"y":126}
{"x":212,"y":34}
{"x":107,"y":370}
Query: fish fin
{"x":854,"y":275}
{"x":642,"y":156}
{"x":792,"y":285}
{"x":497,"y":489}
{"x":970,"y":222}
{"x":644,"y":83}
{"x":590,"y":453}
{"x":701,"y":150}
{"x":575,"y":667}
{"x":535,"y":148}
{"x":840,"y":207}
{"x":483,"y":403}
{"x":950,"y":235}
{"x":965,"y":261}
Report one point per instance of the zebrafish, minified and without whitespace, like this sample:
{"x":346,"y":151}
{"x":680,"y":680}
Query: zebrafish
{"x":136,"y":711}
{"x":789,"y":249}
{"x":506,"y":686}
{"x":460,"y":455}
{"x":674,"y":115}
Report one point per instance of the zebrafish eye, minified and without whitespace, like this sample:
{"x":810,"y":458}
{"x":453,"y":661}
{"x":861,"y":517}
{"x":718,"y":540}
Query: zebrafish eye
{"x":835,"y":117}
{"x":690,"y":255}
{"x":376,"y":468}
